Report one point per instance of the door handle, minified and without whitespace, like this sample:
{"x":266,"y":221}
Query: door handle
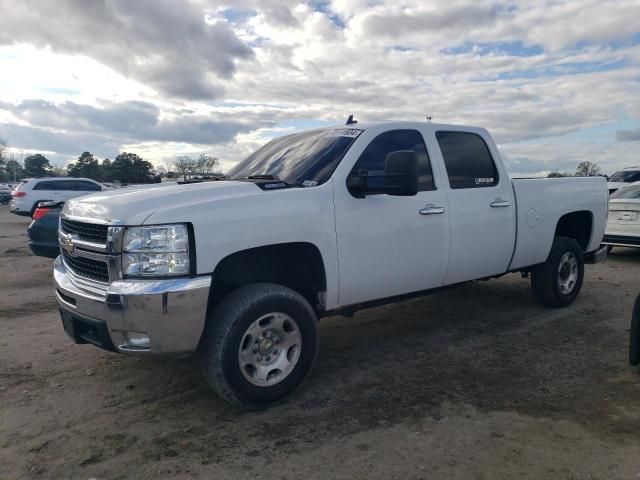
{"x":431,"y":209}
{"x":498,"y":203}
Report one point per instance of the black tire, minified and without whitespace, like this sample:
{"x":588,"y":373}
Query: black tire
{"x":545,"y":278}
{"x":226,"y":328}
{"x":634,"y":336}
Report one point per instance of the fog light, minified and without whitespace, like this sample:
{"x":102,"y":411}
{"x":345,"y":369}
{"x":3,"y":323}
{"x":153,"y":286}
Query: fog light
{"x":137,"y":340}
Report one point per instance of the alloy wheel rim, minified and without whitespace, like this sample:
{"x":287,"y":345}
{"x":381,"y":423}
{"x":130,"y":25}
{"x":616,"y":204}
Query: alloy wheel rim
{"x":567,"y":273}
{"x":270,"y":349}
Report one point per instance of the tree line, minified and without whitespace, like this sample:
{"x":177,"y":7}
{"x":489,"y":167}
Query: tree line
{"x":125,"y":168}
{"x":186,"y":166}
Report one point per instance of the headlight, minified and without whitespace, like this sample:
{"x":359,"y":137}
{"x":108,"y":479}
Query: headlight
{"x":156,"y":251}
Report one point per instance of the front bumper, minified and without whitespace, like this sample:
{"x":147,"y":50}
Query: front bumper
{"x":170,"y":312}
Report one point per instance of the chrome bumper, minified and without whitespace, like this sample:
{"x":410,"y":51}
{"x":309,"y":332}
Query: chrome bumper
{"x":170,"y":312}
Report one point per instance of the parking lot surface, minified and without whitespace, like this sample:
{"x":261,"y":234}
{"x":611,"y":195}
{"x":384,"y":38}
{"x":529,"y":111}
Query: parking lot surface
{"x":477,"y":382}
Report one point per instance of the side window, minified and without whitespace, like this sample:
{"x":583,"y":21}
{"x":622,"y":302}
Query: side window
{"x":468,"y":160}
{"x":45,"y":186}
{"x":65,"y":185}
{"x":373,"y":158}
{"x":87,"y":186}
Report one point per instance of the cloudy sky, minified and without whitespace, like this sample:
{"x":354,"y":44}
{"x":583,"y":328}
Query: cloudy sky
{"x":556,"y":82}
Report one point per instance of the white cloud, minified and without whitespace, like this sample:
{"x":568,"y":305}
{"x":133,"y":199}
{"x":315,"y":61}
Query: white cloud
{"x":222,"y":76}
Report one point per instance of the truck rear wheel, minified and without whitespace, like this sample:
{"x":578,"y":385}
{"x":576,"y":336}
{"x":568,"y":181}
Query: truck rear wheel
{"x":259,"y":344}
{"x":557,"y":282}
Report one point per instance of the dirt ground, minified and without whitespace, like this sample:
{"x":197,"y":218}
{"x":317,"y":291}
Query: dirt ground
{"x":478,"y":382}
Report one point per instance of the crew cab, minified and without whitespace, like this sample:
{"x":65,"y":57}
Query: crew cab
{"x":317,"y":223}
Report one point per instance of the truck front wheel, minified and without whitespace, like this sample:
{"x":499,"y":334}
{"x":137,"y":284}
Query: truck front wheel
{"x":557,"y":282}
{"x":259,"y":344}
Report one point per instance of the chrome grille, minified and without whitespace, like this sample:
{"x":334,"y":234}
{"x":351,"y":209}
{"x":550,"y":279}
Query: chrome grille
{"x":93,"y":232}
{"x":87,"y":267}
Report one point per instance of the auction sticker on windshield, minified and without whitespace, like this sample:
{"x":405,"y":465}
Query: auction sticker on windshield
{"x":344,"y":132}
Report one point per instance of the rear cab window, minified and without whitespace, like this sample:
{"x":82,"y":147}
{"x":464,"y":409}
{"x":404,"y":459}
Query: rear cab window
{"x":467,"y":159}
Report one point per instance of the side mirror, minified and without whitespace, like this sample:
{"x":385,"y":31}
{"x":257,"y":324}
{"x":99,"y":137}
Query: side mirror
{"x":401,"y":173}
{"x":400,"y":177}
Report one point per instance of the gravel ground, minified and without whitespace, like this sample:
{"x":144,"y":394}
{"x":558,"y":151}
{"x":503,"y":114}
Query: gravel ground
{"x":478,"y":382}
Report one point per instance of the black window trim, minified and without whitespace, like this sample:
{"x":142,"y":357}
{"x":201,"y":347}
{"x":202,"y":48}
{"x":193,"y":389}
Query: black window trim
{"x":493,"y":161}
{"x":426,"y":149}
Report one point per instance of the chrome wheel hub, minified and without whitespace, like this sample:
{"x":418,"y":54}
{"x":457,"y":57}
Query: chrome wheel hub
{"x":270,"y":349}
{"x":567,"y":273}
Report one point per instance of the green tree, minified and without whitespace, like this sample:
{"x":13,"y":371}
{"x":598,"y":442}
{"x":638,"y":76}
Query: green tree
{"x":105,"y":170}
{"x":87,"y":166}
{"x":131,"y":168}
{"x":37,"y":166}
{"x":14,"y":170}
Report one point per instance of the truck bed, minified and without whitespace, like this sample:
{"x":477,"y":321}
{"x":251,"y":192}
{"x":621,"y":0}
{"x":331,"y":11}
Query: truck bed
{"x":541,"y":202}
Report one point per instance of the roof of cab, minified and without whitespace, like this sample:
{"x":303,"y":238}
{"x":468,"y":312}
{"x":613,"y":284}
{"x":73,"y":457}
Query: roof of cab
{"x":400,"y":123}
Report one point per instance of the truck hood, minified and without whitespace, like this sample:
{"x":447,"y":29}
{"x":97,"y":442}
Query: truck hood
{"x":133,"y":205}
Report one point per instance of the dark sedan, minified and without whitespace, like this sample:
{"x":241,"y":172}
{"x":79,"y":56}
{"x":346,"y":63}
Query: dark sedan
{"x":43,"y":231}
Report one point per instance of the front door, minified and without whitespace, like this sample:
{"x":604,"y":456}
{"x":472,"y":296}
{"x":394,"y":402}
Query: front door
{"x":391,"y":245}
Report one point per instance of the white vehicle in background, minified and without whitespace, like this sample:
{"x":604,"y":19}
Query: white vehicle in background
{"x":30,"y":192}
{"x":623,"y":178}
{"x":623,"y":224}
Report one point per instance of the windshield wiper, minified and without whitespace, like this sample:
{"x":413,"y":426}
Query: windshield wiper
{"x":262,"y":177}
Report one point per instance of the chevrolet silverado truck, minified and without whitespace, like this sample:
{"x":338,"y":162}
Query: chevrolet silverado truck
{"x":328,"y":221}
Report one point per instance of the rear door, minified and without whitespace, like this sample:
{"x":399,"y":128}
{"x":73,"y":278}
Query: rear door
{"x":481,"y":203}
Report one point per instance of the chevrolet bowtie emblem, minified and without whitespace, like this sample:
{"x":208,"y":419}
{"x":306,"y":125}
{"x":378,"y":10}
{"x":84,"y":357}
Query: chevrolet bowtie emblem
{"x":68,"y":243}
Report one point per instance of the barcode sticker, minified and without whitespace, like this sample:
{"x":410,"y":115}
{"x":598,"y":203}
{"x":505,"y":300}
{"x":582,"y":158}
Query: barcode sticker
{"x":344,"y":132}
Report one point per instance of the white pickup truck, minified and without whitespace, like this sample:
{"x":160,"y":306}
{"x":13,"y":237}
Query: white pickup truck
{"x":317,"y":223}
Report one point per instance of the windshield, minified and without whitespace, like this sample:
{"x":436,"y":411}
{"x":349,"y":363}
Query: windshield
{"x":626,"y":176}
{"x":627,"y":192}
{"x":303,"y":159}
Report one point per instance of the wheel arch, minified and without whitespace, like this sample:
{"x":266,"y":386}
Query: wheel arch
{"x":577,"y":225}
{"x":296,"y":265}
